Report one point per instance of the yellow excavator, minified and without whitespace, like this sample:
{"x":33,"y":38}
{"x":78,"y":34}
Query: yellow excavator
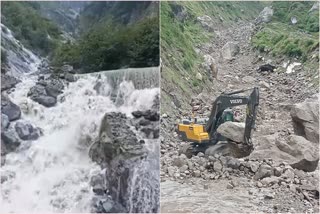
{"x":203,"y":133}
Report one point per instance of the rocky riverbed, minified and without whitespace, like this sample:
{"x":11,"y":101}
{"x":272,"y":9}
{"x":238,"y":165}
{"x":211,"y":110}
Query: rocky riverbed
{"x":58,"y":131}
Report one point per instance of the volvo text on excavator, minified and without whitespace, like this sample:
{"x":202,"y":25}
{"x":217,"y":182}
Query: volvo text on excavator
{"x":203,"y":134}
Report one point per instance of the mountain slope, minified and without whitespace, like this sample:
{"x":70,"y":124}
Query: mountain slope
{"x":34,"y":31}
{"x":183,"y":33}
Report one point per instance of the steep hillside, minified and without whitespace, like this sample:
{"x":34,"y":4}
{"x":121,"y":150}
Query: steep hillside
{"x":185,"y":27}
{"x":292,"y":34}
{"x":114,"y":35}
{"x":64,"y":13}
{"x":29,"y":27}
{"x":96,"y":13}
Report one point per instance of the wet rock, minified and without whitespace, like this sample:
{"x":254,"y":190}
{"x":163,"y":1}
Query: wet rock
{"x":38,"y":94}
{"x":232,"y":130}
{"x":305,"y":117}
{"x":9,"y":108}
{"x":264,"y":171}
{"x":118,"y":150}
{"x":67,"y":68}
{"x":8,"y":82}
{"x":4,"y":122}
{"x":26,"y":131}
{"x":70,"y":77}
{"x":265,"y":15}
{"x":230,"y":50}
{"x":148,"y":115}
{"x":10,"y":140}
{"x":54,"y":87}
{"x":98,"y":184}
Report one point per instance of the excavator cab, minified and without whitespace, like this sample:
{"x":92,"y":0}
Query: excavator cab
{"x":204,"y":135}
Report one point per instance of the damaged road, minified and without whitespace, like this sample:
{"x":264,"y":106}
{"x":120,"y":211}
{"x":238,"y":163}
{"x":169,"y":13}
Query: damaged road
{"x":282,"y":172}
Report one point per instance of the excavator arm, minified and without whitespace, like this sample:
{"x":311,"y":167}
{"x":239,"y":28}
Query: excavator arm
{"x":227,"y":100}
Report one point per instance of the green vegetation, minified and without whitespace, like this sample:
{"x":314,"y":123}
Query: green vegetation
{"x":112,"y":46}
{"x":280,"y":37}
{"x":34,"y":31}
{"x":181,"y":34}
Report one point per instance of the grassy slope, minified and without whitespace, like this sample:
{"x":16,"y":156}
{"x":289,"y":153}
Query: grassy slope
{"x":280,"y":38}
{"x":179,"y":40}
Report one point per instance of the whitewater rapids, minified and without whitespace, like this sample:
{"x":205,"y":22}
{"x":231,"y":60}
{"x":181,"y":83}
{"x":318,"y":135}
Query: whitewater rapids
{"x":52,"y":174}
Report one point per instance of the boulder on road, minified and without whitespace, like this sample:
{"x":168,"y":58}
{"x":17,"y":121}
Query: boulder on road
{"x":305,"y":117}
{"x":305,"y":153}
{"x":232,"y":130}
{"x":299,"y":152}
{"x":9,"y":108}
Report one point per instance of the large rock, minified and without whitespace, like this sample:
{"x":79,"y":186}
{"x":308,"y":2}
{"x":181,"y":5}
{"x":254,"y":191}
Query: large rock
{"x":8,"y":82}
{"x":120,"y":152}
{"x":299,"y":152}
{"x":26,"y":131}
{"x":9,"y":108}
{"x":305,"y":153}
{"x":38,"y":94}
{"x":45,"y":92}
{"x":232,"y":130}
{"x":265,"y":15}
{"x":230,"y":50}
{"x":10,"y":139}
{"x":305,"y":117}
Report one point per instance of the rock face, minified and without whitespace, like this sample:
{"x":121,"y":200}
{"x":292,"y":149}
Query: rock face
{"x":305,"y":117}
{"x":8,"y":82}
{"x":230,"y":50}
{"x":26,"y":131}
{"x":45,"y":92}
{"x":120,"y":152}
{"x":265,"y":15}
{"x":9,"y":108}
{"x":232,"y":130}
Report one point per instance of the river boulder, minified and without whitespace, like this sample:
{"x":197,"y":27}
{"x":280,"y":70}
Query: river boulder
{"x":9,"y":108}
